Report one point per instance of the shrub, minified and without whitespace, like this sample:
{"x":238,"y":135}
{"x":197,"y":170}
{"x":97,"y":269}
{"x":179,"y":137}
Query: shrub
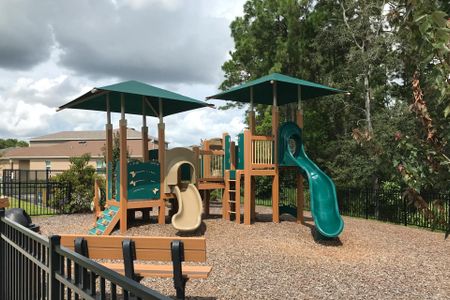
{"x":81,"y":177}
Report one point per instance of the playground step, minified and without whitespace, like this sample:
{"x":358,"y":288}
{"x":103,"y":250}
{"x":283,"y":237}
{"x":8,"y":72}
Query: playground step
{"x":103,"y":222}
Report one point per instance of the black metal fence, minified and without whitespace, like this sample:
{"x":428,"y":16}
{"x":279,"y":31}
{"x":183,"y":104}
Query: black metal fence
{"x":37,"y":198}
{"x":17,"y":175}
{"x":35,"y":267}
{"x":387,"y":205}
{"x":390,"y":206}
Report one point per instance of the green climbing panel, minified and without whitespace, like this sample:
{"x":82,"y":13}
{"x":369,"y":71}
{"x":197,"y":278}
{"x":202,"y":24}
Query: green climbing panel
{"x":143,"y":181}
{"x":104,"y":221}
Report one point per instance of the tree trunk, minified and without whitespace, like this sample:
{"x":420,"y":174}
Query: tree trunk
{"x":367,"y":103}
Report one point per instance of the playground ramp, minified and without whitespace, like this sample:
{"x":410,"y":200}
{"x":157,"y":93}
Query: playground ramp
{"x":190,"y":208}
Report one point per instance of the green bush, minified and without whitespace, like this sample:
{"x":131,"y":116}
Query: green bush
{"x":81,"y":177}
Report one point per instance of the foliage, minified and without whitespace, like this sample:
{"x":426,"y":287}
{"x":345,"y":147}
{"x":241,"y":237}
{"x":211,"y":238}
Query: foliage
{"x":392,"y":56}
{"x":11,"y":143}
{"x":81,"y":176}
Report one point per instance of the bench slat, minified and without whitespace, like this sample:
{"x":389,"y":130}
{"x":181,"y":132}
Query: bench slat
{"x":147,"y":248}
{"x":150,"y":242}
{"x":166,"y":271}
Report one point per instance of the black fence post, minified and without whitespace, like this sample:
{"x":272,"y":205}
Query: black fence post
{"x":405,"y":212}
{"x":54,"y":267}
{"x":2,"y":257}
{"x":367,"y":203}
{"x":19,"y":195}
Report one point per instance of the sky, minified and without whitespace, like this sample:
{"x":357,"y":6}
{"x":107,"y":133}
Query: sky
{"x":51,"y":52}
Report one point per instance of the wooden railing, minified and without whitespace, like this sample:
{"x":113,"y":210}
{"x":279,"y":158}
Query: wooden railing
{"x":261,"y":151}
{"x":212,"y":163}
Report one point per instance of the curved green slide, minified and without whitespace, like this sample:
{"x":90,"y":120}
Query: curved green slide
{"x":324,"y":206}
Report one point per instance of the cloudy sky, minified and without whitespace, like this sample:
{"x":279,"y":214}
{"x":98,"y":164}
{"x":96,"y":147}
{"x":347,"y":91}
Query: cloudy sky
{"x":53,"y":51}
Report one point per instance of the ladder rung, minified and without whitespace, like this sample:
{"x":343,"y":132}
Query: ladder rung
{"x":232,"y":201}
{"x":231,"y":212}
{"x":231,"y":179}
{"x":234,"y":191}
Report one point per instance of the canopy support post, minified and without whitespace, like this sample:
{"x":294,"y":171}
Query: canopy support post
{"x":108,"y":150}
{"x":299,"y":107}
{"x":276,"y":181}
{"x":144,"y":132}
{"x":251,"y":114}
{"x":123,"y":167}
{"x":300,"y":188}
{"x":161,"y":158}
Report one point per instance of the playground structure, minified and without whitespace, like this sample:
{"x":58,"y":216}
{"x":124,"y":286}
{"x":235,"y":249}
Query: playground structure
{"x":150,"y":183}
{"x":223,"y":164}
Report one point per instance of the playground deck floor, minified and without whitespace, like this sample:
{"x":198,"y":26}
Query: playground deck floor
{"x":371,"y":260}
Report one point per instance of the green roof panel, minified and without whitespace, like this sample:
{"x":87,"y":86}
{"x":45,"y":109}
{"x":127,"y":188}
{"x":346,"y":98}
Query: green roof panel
{"x":134,"y":92}
{"x":287,"y":90}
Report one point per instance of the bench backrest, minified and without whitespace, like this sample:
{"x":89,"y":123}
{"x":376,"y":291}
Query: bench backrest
{"x":147,"y":247}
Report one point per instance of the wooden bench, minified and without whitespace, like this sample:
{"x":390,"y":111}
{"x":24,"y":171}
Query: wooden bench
{"x":145,"y":248}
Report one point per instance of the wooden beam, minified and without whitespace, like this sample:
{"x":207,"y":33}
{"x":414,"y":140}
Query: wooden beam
{"x":123,"y":176}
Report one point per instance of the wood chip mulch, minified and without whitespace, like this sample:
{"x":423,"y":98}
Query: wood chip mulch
{"x":370,"y":260}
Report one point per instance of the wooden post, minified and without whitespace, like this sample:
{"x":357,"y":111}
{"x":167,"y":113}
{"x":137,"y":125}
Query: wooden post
{"x":206,"y":161}
{"x":276,"y":197}
{"x":237,"y":196}
{"x":109,"y":149}
{"x":96,"y":200}
{"x":162,"y":160}
{"x":300,"y":188}
{"x":247,"y":177}
{"x":226,"y":197}
{"x":276,"y":179}
{"x":207,"y":198}
{"x":109,"y":158}
{"x":253,"y":197}
{"x":123,"y":168}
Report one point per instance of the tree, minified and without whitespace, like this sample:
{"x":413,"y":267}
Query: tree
{"x":11,"y":143}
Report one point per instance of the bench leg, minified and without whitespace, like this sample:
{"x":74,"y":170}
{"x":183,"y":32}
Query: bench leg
{"x":129,"y":255}
{"x":177,"y":258}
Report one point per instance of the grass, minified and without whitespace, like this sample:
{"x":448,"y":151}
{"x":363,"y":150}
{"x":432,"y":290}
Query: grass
{"x":30,"y":208}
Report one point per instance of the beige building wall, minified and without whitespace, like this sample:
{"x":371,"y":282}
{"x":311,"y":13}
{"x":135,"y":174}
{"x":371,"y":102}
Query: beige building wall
{"x":55,"y":163}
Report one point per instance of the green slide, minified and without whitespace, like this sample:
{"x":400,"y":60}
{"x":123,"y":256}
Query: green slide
{"x":324,"y":206}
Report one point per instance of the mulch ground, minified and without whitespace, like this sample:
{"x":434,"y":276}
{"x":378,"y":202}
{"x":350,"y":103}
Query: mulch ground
{"x":370,"y":260}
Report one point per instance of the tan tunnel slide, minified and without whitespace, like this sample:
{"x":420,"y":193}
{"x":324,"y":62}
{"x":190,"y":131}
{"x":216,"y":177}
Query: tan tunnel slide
{"x":189,"y":215}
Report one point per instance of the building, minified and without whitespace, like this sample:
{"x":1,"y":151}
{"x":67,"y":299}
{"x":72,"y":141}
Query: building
{"x":53,"y":151}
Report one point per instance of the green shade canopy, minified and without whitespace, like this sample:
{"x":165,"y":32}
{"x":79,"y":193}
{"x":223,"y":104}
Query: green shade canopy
{"x":134,"y":92}
{"x":287,"y":90}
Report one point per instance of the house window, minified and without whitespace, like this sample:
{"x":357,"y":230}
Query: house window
{"x":101,"y":165}
{"x":48,"y":165}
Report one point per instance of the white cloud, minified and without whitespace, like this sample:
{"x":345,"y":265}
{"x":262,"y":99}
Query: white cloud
{"x":75,"y":46}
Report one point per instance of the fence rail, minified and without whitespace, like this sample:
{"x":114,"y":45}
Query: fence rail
{"x":34,"y":267}
{"x":387,"y":205}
